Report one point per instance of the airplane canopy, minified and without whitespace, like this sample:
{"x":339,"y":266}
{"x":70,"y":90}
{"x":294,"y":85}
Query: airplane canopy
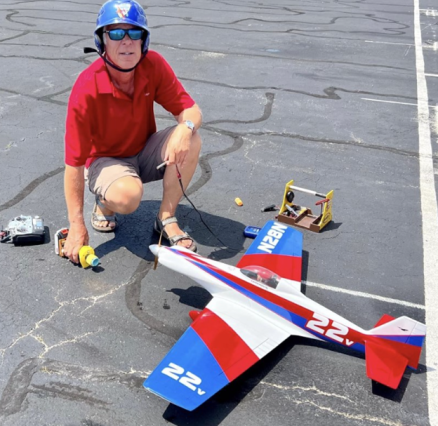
{"x":261,"y":274}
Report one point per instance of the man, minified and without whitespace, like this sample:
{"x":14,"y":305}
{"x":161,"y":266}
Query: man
{"x":111,"y":132}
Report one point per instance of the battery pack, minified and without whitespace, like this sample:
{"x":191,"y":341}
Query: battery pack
{"x":251,"y":231}
{"x":60,"y":237}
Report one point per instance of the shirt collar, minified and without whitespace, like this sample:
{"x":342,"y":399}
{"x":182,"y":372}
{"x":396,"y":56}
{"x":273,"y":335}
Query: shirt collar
{"x":104,"y":84}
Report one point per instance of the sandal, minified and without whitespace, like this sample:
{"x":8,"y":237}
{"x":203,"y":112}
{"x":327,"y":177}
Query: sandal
{"x":159,"y":226}
{"x":96,"y":217}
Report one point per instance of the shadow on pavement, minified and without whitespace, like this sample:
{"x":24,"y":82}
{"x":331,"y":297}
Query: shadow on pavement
{"x":135,"y":232}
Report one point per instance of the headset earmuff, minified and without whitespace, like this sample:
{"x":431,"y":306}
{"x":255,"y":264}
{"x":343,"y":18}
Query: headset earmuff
{"x":143,"y":40}
{"x":99,"y":37}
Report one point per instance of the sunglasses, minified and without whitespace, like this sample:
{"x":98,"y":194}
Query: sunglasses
{"x":119,"y":33}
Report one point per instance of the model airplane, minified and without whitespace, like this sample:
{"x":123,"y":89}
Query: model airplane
{"x":255,"y":307}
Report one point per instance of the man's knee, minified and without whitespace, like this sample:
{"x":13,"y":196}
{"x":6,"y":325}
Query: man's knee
{"x":125,"y":194}
{"x":129,"y":204}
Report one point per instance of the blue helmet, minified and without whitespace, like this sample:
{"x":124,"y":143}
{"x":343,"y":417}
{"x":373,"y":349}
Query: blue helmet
{"x":121,"y":12}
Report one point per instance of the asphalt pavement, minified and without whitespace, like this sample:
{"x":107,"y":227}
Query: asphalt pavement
{"x":335,"y":95}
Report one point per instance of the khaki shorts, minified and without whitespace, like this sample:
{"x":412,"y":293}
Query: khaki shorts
{"x":106,"y":170}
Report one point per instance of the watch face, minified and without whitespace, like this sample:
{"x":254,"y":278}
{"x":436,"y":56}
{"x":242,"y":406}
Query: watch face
{"x":190,"y":125}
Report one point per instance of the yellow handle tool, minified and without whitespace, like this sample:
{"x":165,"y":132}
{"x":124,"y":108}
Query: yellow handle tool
{"x":87,"y":257}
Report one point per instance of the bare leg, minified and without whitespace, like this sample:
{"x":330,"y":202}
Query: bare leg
{"x":123,"y":196}
{"x":172,"y":193}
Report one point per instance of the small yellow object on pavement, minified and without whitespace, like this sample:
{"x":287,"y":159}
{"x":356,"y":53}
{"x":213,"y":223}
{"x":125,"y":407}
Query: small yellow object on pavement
{"x":238,"y":201}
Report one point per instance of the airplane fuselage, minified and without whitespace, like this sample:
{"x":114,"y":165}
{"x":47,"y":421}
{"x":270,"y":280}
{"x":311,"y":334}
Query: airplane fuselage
{"x":285,"y":305}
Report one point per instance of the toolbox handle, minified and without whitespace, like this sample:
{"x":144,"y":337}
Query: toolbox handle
{"x":326,"y":200}
{"x":308,"y":191}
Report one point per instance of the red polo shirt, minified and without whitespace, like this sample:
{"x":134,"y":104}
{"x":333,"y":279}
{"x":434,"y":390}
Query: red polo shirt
{"x":103,"y":122}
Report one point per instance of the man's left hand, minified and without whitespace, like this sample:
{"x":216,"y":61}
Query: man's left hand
{"x":178,"y":146}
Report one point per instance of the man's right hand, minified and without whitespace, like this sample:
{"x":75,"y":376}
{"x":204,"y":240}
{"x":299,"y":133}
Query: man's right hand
{"x":74,"y":197}
{"x":77,"y":238}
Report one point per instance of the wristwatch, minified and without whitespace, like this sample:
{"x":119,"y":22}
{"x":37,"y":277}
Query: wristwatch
{"x":190,"y":125}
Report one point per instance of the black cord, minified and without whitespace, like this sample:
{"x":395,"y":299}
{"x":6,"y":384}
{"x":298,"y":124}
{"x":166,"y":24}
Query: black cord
{"x":197,"y":211}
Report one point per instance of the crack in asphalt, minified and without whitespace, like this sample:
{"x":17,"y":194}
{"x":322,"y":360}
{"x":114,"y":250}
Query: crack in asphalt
{"x":30,"y":188}
{"x":19,"y":383}
{"x":92,"y":300}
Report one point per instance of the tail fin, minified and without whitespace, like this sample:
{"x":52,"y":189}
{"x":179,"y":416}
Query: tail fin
{"x":391,"y":346}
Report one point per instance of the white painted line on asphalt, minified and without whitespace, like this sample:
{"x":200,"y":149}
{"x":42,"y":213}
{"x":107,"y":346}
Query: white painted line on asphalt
{"x":429,"y":216}
{"x":366,"y":295}
{"x":435,"y":125}
{"x":431,"y":75}
{"x":388,"y":102}
{"x":395,"y":102}
{"x":388,"y":42}
{"x":429,"y":12}
{"x":434,"y":46}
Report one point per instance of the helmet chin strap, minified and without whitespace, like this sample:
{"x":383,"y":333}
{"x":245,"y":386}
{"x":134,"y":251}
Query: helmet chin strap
{"x":91,"y":50}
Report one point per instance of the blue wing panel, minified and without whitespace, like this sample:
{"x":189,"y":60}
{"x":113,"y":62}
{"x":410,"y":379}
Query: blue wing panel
{"x":277,"y":247}
{"x":277,"y":238}
{"x":188,"y":375}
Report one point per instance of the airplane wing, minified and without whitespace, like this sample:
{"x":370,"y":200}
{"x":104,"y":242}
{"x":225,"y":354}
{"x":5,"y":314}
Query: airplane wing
{"x":224,"y":341}
{"x":278,"y":248}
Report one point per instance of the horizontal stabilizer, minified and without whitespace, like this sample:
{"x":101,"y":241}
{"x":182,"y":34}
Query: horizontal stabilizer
{"x":403,"y":335}
{"x":384,"y":365}
{"x":393,"y":344}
